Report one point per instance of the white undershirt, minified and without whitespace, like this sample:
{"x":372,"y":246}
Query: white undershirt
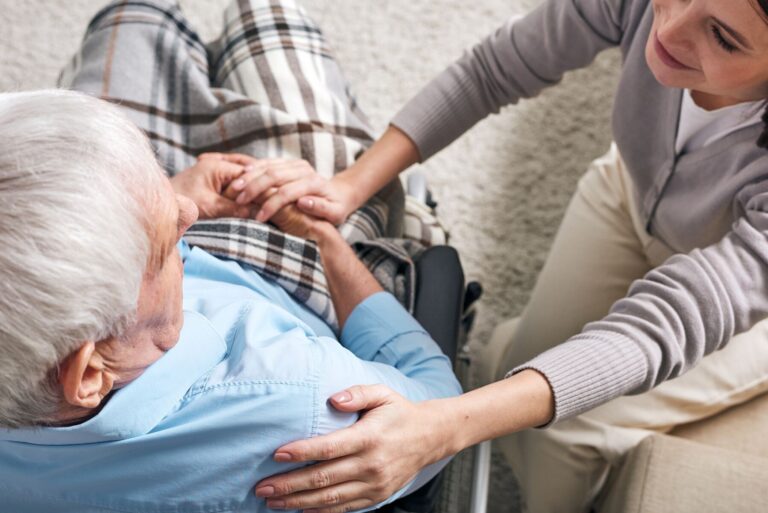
{"x":700,"y":127}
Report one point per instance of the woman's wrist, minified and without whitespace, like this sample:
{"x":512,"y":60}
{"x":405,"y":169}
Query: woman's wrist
{"x":351,"y":185}
{"x":442,"y":416}
{"x":393,"y":153}
{"x":519,"y":402}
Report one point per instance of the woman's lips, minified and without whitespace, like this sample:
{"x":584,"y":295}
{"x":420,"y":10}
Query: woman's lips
{"x":666,"y":57}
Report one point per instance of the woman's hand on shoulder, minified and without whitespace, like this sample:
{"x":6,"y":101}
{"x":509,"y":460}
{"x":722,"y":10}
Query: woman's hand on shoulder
{"x":365,"y":463}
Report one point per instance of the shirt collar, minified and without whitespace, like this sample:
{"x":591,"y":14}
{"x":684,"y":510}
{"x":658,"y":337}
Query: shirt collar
{"x":138,"y":407}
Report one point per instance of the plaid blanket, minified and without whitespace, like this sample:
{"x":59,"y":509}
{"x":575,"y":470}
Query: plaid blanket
{"x":268,"y":87}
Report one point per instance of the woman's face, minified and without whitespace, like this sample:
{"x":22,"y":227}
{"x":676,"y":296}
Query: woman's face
{"x":716,"y":47}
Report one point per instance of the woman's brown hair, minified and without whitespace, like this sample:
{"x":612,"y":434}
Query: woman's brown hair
{"x":763,"y":140}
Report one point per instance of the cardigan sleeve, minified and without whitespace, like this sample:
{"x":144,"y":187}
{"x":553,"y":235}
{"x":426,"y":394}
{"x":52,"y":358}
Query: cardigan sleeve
{"x":691,"y":305}
{"x":520,"y":59}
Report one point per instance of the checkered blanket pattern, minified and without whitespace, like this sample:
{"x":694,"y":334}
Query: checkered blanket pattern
{"x":268,"y":87}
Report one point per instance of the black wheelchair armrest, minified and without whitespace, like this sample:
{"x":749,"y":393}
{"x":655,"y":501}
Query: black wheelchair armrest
{"x":440,"y":296}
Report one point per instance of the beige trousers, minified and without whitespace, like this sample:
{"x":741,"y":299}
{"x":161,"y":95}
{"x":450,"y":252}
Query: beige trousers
{"x":600,"y":248}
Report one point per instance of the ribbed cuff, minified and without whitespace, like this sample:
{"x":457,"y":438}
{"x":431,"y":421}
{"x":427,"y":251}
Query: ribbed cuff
{"x":588,"y":370}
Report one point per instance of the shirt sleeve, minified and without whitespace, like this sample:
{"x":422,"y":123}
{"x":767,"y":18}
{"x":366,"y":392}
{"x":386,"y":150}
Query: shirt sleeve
{"x":521,"y":58}
{"x":383,"y":344}
{"x":688,"y":307}
{"x":394,"y":349}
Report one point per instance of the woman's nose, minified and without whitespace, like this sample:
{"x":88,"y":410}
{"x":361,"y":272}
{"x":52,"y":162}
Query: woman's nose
{"x":676,"y":22}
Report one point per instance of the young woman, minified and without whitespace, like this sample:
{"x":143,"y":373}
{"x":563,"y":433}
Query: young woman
{"x":661,"y":258}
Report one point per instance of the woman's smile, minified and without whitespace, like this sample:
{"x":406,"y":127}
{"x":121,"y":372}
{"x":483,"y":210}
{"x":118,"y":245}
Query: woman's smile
{"x":667,"y":58}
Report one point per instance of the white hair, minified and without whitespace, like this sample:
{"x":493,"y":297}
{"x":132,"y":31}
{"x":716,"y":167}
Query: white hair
{"x":74,"y":241}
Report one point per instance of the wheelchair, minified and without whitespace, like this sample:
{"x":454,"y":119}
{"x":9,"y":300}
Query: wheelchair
{"x":445,"y":306}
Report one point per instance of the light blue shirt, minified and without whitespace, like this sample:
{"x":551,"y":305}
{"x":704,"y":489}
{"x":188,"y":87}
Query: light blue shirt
{"x":194,"y":433}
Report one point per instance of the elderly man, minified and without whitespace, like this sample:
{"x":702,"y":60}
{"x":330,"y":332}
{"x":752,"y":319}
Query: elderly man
{"x":138,"y":374}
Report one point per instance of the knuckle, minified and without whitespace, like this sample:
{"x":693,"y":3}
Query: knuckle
{"x":283,"y":488}
{"x":377,"y":466}
{"x":332,"y":497}
{"x":321,"y":479}
{"x":328,"y":451}
{"x":282,"y":195}
{"x":369,"y":444}
{"x":356,"y":390}
{"x":380,"y":492}
{"x":379,"y":389}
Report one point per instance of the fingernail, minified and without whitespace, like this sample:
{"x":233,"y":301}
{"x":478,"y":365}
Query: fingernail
{"x":238,"y":184}
{"x":265,"y":491}
{"x":310,"y":203}
{"x":261,"y":216}
{"x":283,"y":456}
{"x":240,"y":198}
{"x":249,"y":167}
{"x":342,"y":397}
{"x":276,"y":504}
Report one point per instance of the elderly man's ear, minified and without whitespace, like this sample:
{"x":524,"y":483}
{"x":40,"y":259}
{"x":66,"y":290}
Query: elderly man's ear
{"x":84,"y":378}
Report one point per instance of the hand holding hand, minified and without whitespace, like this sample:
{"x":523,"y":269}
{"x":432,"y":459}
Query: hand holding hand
{"x":289,"y":219}
{"x":276,"y":183}
{"x":364,"y":464}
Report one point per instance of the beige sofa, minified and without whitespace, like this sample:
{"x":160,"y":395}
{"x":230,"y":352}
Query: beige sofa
{"x":716,"y":465}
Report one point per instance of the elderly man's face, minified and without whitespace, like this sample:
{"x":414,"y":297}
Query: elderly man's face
{"x":97,"y":368}
{"x":159,"y":315}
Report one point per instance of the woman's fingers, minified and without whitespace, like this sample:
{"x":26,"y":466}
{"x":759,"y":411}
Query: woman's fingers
{"x":336,"y":445}
{"x":342,"y":508}
{"x":290,"y":193}
{"x":343,"y":442}
{"x":358,"y":466}
{"x":210,"y":156}
{"x":242,"y":159}
{"x":322,"y":208}
{"x":360,"y":397}
{"x":226,"y":172}
{"x":232,"y":191}
{"x":316,"y":477}
{"x":274,"y":175}
{"x":346,"y":441}
{"x":340,"y":496}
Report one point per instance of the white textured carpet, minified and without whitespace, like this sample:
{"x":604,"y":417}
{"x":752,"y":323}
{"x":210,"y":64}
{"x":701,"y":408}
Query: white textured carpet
{"x":502,"y":188}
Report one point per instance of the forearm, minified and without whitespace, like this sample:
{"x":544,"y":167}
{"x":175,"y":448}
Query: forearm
{"x":518,"y":60}
{"x":521,"y":401}
{"x":391,"y":154}
{"x":349,"y":282}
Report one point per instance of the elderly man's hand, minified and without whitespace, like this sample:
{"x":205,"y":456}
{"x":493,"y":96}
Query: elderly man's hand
{"x":205,"y":182}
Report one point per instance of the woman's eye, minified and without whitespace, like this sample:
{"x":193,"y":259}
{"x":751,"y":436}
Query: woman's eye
{"x":728,"y":47}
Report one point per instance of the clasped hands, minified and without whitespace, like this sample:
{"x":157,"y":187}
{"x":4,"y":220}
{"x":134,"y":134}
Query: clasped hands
{"x":289,"y":193}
